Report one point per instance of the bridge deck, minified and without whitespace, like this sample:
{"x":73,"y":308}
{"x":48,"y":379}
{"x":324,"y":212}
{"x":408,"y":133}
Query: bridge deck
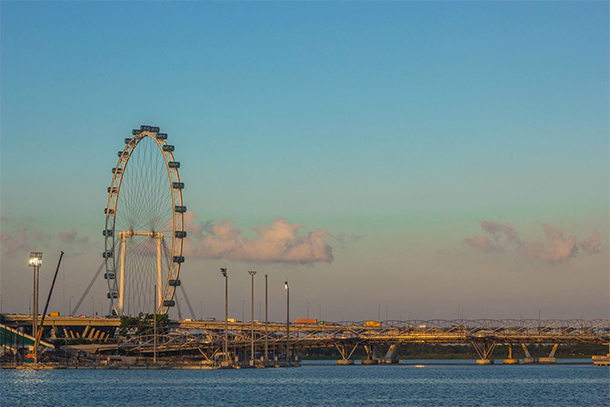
{"x":210,"y":334}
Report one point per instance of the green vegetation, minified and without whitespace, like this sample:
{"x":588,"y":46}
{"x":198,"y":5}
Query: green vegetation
{"x":143,"y":324}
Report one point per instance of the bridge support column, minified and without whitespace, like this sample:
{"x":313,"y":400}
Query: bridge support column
{"x":484,"y":351}
{"x":510,"y":360}
{"x":370,"y":355}
{"x":551,"y":357}
{"x":392,"y":355}
{"x":528,"y":358}
{"x":346,"y":354}
{"x":602,"y":360}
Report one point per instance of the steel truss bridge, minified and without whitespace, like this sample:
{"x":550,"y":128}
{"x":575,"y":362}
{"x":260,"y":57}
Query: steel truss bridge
{"x":207,"y":337}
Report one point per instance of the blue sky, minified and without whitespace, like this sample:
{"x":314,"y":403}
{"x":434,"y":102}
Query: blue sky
{"x":406,"y":123}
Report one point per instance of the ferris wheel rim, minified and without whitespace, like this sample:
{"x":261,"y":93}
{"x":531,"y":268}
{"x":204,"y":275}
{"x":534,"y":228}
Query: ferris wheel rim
{"x":110,"y":232}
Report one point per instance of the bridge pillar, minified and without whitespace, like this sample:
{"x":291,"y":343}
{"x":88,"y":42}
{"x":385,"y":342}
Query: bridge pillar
{"x":602,"y":360}
{"x":528,"y":358}
{"x":510,"y":360}
{"x":392,"y":355}
{"x":551,"y":357}
{"x":484,"y":351}
{"x":370,"y":355}
{"x":346,"y":354}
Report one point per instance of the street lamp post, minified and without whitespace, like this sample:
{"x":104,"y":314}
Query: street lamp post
{"x":308,"y":310}
{"x":287,"y":322}
{"x":266,"y":324}
{"x":70,"y":305}
{"x":35,"y":262}
{"x":252,"y":274}
{"x":225,"y":274}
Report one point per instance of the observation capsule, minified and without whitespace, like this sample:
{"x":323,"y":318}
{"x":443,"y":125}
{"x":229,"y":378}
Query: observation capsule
{"x":114,"y":295}
{"x":178,"y":259}
{"x":144,"y":128}
{"x":107,"y":232}
{"x":168,"y":147}
{"x":109,"y":276}
{"x":180,"y":234}
{"x":161,"y":136}
{"x":180,"y":209}
{"x":117,"y":170}
{"x":107,"y":254}
{"x":169,"y":303}
{"x":112,"y":190}
{"x":174,"y":164}
{"x":174,"y":283}
{"x":108,"y":211}
{"x":135,"y":132}
{"x":123,"y":153}
{"x":178,"y":185}
{"x":128,"y":140}
{"x":154,"y":129}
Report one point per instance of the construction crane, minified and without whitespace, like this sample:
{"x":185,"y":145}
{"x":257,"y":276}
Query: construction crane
{"x":46,"y":307}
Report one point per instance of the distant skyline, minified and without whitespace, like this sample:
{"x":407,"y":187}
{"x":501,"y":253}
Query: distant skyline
{"x":420,"y":156}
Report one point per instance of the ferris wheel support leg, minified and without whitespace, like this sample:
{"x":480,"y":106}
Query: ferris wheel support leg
{"x":122,"y":280}
{"x":159,"y":298}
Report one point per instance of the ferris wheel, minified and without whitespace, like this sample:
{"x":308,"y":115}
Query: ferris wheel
{"x":144,"y":226}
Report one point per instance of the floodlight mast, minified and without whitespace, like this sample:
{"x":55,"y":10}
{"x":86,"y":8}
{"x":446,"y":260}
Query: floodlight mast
{"x":35,"y":262}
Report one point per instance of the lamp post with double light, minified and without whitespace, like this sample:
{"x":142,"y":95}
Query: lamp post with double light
{"x":266,"y":324}
{"x":35,"y":262}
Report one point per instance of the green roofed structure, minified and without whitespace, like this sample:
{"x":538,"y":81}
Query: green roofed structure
{"x":11,"y":338}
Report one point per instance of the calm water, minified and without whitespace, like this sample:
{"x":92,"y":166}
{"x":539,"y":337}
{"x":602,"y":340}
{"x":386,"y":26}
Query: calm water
{"x":314,"y":385}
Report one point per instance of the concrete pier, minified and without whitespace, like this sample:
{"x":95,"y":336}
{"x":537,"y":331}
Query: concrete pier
{"x":485,"y":361}
{"x":510,"y":361}
{"x":601,"y":360}
{"x":345,"y":362}
{"x":370,"y":362}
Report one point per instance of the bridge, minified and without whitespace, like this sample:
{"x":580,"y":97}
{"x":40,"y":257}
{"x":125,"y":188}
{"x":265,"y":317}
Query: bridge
{"x":208,"y":337}
{"x":484,"y":335}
